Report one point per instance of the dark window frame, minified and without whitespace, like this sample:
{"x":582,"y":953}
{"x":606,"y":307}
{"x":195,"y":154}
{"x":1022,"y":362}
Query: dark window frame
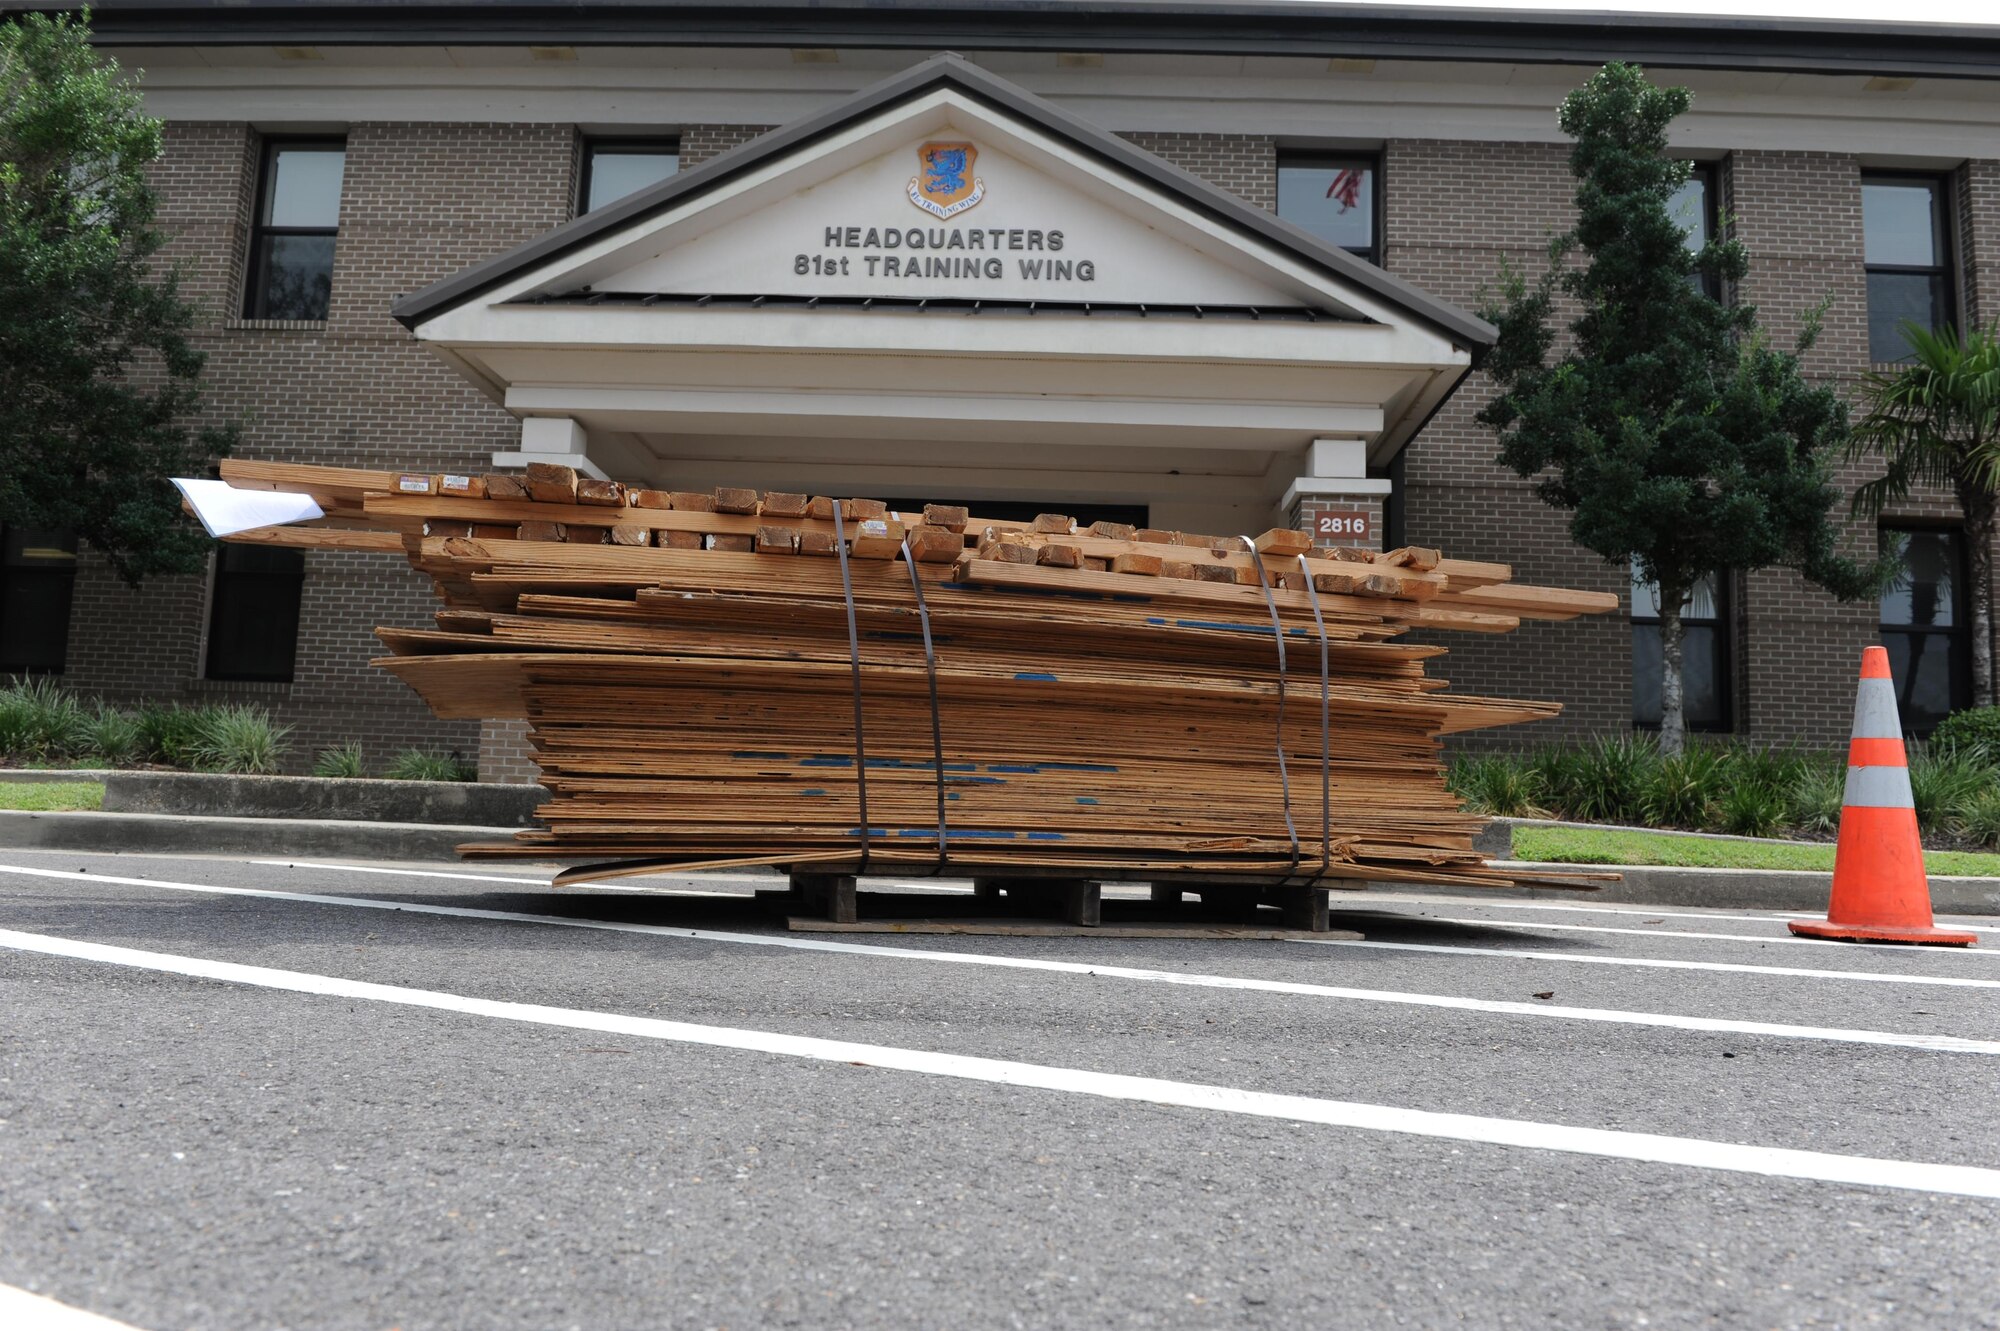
{"x":1710,"y":175}
{"x":1958,"y":634}
{"x":1946,"y":267}
{"x":224,"y":583}
{"x":256,"y":294}
{"x":1334,"y":159}
{"x":619,"y":145}
{"x":1724,"y":625}
{"x":12,"y":572}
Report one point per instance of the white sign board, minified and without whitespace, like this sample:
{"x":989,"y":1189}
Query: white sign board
{"x":945,"y":218}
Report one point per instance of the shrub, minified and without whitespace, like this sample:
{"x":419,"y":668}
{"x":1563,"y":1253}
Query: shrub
{"x":1499,"y":786}
{"x":1682,"y":790}
{"x":344,"y":762}
{"x":1815,"y":799}
{"x":1944,"y":785}
{"x":1980,"y":819}
{"x":416,"y":765}
{"x":237,"y":739}
{"x":1752,"y":808}
{"x":41,"y":719}
{"x":1973,"y":734}
{"x":17,"y":725}
{"x":113,"y":736}
{"x":1603,"y":781}
{"x":168,"y":733}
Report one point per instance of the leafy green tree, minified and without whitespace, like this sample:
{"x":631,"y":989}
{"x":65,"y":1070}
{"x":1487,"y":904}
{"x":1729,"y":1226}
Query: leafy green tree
{"x":99,"y":384}
{"x":1936,"y":422}
{"x":1672,"y":432}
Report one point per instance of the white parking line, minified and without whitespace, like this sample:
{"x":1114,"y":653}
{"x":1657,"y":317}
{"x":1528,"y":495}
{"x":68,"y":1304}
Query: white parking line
{"x":1776,"y":1162}
{"x":1773,"y":937}
{"x":23,"y":1311}
{"x":1765,"y":918}
{"x":1933,"y":1043}
{"x":1660,"y":963}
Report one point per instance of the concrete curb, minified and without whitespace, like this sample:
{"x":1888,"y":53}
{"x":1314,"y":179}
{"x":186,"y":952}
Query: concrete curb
{"x":1802,"y":890}
{"x":324,"y":838}
{"x":181,"y":834}
{"x":61,"y":776}
{"x":1496,"y":839}
{"x":360,"y":799}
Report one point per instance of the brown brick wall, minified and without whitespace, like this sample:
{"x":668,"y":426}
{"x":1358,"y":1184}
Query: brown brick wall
{"x":418,"y":202}
{"x":1456,"y":497}
{"x":1799,"y":214}
{"x":1308,"y":512}
{"x":505,"y":753}
{"x":1978,"y":187}
{"x":701,"y":142}
{"x":422,"y":201}
{"x":1244,"y":164}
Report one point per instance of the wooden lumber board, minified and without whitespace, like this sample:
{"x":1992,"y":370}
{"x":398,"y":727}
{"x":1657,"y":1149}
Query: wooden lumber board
{"x":318,"y":537}
{"x":432,"y":677}
{"x":696,"y":706}
{"x":1552,"y":603}
{"x":1128,"y":586}
{"x":413,"y":510}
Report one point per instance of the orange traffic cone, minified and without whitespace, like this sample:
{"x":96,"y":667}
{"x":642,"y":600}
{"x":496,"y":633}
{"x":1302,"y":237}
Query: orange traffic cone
{"x":1880,"y":893}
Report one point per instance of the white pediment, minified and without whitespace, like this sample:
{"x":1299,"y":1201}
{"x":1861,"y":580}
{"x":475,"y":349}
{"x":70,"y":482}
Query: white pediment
{"x":1065,"y":290}
{"x":1050,"y":223}
{"x":1031,"y":234}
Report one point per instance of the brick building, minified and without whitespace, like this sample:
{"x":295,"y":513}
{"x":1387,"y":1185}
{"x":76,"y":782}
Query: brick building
{"x":333,"y":172}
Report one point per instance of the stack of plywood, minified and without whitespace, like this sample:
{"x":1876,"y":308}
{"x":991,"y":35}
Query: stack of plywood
{"x":728,"y":678}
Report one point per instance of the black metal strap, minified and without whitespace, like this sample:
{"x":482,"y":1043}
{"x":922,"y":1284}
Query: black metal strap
{"x":937,"y":721}
{"x":1325,"y":730}
{"x":1278,"y":636}
{"x":854,"y":656}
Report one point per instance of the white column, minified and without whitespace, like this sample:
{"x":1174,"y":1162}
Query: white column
{"x":1334,"y":469}
{"x":556,"y":439}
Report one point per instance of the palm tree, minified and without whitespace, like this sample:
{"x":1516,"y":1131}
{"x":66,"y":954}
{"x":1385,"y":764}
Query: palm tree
{"x":1935,"y":422}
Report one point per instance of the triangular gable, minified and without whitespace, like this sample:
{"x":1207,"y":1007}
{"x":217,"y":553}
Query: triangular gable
{"x":777,"y":216}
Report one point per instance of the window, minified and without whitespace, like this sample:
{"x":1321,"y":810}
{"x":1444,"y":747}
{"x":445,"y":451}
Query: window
{"x":1693,"y":206}
{"x":1336,"y":198}
{"x":298,"y":215}
{"x":1923,"y":626}
{"x":1704,"y":655}
{"x":1908,"y":254}
{"x":37,"y":579}
{"x":614,"y":168}
{"x":253,"y":617}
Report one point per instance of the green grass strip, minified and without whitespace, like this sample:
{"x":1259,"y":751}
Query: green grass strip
{"x":52,"y":796}
{"x":1572,"y":845}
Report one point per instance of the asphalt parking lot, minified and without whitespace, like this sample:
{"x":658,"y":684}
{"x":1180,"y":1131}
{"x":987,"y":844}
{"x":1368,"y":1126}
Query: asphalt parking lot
{"x":275,"y":1094}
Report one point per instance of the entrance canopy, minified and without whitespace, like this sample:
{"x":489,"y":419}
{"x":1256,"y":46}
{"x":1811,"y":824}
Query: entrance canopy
{"x":947,"y":287}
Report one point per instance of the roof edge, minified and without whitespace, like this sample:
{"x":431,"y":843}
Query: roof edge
{"x":1235,"y":27}
{"x":953,"y":70}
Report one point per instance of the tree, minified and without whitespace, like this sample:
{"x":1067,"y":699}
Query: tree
{"x":1936,"y":422}
{"x":99,"y":383}
{"x":1676,"y":437}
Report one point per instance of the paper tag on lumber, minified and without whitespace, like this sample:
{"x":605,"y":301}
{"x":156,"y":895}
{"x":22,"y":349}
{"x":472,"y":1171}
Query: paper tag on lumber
{"x":225,"y":510}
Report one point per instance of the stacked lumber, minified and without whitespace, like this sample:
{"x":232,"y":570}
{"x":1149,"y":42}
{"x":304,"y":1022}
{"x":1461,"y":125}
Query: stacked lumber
{"x":729,"y":678}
